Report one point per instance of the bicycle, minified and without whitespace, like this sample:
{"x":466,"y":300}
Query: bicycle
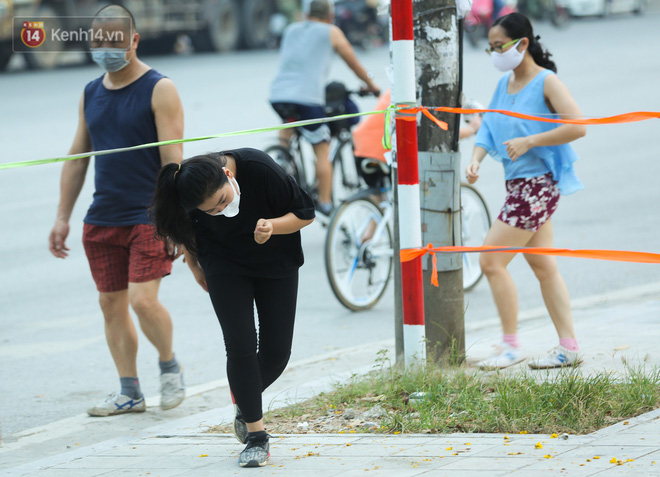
{"x":359,"y":268}
{"x":298,"y":159}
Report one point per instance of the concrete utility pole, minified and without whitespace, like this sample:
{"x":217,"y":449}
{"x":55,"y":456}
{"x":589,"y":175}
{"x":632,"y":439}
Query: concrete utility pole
{"x":438,"y":72}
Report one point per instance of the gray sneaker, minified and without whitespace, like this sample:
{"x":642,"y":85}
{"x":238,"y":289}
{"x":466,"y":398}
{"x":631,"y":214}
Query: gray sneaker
{"x":117,"y":403}
{"x":240,"y":427}
{"x":172,"y":390}
{"x":256,"y":453}
{"x":558,"y":357}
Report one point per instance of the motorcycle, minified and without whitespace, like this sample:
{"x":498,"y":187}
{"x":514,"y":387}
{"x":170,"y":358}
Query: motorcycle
{"x":361,"y":22}
{"x":480,"y":18}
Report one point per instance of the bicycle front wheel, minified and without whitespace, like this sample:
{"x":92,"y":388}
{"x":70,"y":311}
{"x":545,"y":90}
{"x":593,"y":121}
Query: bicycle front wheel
{"x":358,"y":254}
{"x":474,"y":227}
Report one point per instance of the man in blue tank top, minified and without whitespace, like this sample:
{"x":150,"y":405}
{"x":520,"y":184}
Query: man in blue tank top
{"x":130,"y":104}
{"x":298,"y":90}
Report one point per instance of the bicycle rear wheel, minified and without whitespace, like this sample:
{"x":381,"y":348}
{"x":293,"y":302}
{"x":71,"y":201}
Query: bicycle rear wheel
{"x":474,"y":227}
{"x":358,"y":267}
{"x":282,"y":156}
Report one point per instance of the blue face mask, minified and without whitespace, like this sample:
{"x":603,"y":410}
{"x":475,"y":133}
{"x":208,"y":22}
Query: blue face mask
{"x":110,"y":59}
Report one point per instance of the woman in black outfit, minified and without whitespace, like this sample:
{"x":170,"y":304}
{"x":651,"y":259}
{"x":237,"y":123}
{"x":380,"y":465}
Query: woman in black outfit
{"x":238,"y":216}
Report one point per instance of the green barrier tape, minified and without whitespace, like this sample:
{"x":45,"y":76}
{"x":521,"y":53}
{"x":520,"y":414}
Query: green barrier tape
{"x":387,"y":135}
{"x":52,"y":160}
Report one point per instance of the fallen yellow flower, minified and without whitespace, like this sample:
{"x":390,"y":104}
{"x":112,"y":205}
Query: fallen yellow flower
{"x":538,"y":445}
{"x":553,"y":436}
{"x":204,"y":455}
{"x":547,"y":456}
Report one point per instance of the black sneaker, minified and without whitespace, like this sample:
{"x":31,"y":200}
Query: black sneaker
{"x":256,"y":453}
{"x":240,"y":428}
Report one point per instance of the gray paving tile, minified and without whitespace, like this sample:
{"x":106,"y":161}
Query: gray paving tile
{"x":140,"y":450}
{"x":139,"y":473}
{"x":630,"y":439}
{"x":466,"y":473}
{"x":98,"y":462}
{"x":526,"y":472}
{"x":489,"y":463}
{"x":174,"y":461}
{"x":606,"y":452}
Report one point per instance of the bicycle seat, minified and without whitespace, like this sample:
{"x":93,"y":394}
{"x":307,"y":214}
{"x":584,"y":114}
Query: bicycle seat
{"x":288,"y":111}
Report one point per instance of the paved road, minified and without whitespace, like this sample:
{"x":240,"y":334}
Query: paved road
{"x":53,"y":356}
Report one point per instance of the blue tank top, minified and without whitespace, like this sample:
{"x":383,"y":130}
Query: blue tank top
{"x":497,"y":128}
{"x":124,"y":182}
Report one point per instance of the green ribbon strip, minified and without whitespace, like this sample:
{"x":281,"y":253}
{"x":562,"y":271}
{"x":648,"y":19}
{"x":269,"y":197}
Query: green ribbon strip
{"x":387,"y":135}
{"x":51,"y":160}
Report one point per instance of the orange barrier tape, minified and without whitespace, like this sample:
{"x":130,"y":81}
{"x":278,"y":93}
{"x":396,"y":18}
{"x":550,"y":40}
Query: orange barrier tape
{"x":613,"y":255}
{"x":618,"y":119}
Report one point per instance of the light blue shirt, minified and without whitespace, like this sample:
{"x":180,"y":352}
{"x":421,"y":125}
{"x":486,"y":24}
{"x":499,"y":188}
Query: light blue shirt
{"x":497,"y":128}
{"x":305,"y":57}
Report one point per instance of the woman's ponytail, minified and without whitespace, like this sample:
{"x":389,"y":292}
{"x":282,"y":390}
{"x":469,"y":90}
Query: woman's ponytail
{"x":541,"y":56}
{"x":167,"y":213}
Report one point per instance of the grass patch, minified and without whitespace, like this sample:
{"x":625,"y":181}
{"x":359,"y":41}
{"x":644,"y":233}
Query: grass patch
{"x":460,"y":399}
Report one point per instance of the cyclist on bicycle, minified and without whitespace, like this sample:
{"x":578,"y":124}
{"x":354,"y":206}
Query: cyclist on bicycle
{"x":297,"y":92}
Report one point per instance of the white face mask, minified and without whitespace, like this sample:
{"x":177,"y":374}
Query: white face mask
{"x":508,"y":60}
{"x":232,"y":208}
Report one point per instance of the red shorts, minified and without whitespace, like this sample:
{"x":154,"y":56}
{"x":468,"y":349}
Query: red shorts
{"x":119,"y":255}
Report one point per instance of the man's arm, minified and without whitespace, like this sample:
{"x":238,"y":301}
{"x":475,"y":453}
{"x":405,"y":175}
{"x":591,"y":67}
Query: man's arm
{"x":344,"y":49}
{"x":168,"y":114}
{"x":71,"y":183}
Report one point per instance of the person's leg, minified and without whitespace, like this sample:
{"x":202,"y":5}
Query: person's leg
{"x":493,"y":265}
{"x":276,"y":301}
{"x":149,"y":262}
{"x":108,"y":259}
{"x":285,"y":136}
{"x":553,"y":287}
{"x":233,"y":300}
{"x":109,"y":263}
{"x":324,"y":171}
{"x":155,"y":320}
{"x":120,"y":332}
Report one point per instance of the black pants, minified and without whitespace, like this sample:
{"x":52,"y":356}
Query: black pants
{"x":254,"y":359}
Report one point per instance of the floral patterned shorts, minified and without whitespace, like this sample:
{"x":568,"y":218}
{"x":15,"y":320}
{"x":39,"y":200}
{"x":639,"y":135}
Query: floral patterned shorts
{"x":530,"y":202}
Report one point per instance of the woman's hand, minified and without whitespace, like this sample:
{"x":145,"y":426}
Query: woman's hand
{"x":472,"y":172}
{"x":199,"y":275}
{"x":263,"y":231}
{"x":517,"y":146}
{"x":195,"y":268}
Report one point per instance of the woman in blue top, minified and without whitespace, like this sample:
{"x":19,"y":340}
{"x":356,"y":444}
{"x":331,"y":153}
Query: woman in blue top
{"x":538,"y":167}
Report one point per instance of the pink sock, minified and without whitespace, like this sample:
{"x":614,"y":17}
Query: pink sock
{"x":511,"y":340}
{"x":570,"y":344}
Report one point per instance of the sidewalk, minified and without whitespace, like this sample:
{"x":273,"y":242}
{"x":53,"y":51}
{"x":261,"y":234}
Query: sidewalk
{"x":624,"y":325}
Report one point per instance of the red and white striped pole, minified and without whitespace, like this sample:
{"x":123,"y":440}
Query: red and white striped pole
{"x":410,"y":230}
